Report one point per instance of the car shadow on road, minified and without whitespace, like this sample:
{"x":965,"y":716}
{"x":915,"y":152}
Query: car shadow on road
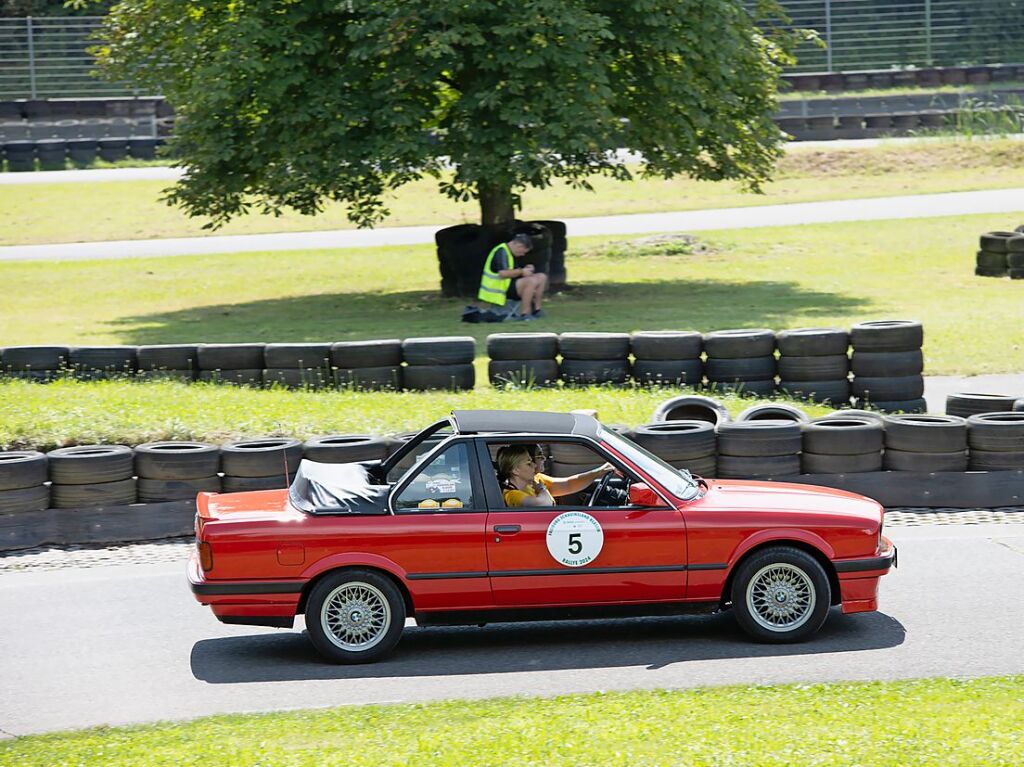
{"x":502,"y":648}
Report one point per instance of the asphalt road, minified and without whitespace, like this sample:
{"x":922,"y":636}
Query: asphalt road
{"x":122,"y":644}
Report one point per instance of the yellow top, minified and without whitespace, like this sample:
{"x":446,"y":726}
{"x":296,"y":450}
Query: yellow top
{"x":515,"y":497}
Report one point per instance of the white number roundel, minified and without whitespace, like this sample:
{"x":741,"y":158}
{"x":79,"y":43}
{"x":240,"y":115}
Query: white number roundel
{"x":575,"y":538}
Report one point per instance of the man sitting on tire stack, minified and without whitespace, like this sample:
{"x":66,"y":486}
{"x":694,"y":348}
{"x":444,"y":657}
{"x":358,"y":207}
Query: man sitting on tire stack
{"x":503,"y":280}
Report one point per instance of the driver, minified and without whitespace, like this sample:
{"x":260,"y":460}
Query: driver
{"x":522,"y":484}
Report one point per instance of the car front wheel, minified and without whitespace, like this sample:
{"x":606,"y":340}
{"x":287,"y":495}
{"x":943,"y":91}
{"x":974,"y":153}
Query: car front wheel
{"x":355,"y":616}
{"x":781,"y":594}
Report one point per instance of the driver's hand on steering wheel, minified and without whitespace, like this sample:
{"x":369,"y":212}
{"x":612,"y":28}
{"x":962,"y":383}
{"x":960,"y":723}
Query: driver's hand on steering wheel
{"x":608,"y":467}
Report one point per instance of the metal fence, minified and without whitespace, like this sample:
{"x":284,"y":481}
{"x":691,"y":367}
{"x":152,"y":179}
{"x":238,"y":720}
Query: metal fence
{"x":46,"y":57}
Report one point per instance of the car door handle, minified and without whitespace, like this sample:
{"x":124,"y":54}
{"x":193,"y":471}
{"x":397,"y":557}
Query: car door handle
{"x":507,"y":529}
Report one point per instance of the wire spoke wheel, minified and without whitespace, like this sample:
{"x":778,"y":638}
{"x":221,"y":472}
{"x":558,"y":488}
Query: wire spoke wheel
{"x":355,"y":616}
{"x":780,"y":597}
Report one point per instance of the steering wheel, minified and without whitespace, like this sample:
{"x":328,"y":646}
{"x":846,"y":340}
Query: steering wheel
{"x":602,"y":485}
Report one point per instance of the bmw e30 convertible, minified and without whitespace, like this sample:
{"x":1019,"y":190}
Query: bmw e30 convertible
{"x":359,"y":548}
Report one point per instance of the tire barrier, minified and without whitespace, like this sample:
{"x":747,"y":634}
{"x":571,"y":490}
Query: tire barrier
{"x":691,"y":407}
{"x":1001,"y":254}
{"x":773,"y":412}
{"x":176,"y":471}
{"x":91,"y":475}
{"x":995,"y":441}
{"x":439,"y":363}
{"x":259,"y":464}
{"x":34,"y":363}
{"x":594,"y":358}
{"x":892,"y":349}
{"x":168,"y":361}
{"x":684,"y":444}
{"x":741,"y":360}
{"x":346,"y":448}
{"x":813,"y":364}
{"x":298,"y":366}
{"x":925,"y":443}
{"x":667,"y":357}
{"x":520,"y":359}
{"x":966,"y":404}
{"x":240,"y":364}
{"x":369,"y":365}
{"x":842,"y":444}
{"x":23,"y":488}
{"x":758,"y":449}
{"x":103,"y":362}
{"x":54,"y":153}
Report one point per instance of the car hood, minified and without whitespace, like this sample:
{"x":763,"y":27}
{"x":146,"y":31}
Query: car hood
{"x":742,"y":495}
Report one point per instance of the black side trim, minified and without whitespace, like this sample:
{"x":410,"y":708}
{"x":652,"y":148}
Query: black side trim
{"x":589,"y":571}
{"x":710,"y":566}
{"x":872,"y":563}
{"x":443,"y":576}
{"x":277,"y":621}
{"x":592,"y":612}
{"x":221,"y":589}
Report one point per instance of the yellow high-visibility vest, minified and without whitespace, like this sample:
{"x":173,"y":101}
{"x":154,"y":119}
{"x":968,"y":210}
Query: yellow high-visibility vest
{"x":494,"y":289}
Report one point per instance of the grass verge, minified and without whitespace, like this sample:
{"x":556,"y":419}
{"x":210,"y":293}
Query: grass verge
{"x":126,"y":210}
{"x":955,"y":723}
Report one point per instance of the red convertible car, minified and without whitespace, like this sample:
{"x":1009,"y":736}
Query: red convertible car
{"x":358,"y":548}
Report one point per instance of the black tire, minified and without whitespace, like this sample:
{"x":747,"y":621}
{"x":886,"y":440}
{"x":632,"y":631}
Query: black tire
{"x":240,"y":377}
{"x":596,"y":347}
{"x":176,"y":460}
{"x":184,"y":376}
{"x":346,"y":448}
{"x":305,"y":356}
{"x":814,"y":463}
{"x":230,"y":357}
{"x":886,"y":389}
{"x":261,"y":457}
{"x":28,"y":358}
{"x":369,"y":379}
{"x":540,"y":372}
{"x":382,"y":590}
{"x":994,"y":460}
{"x":672,"y":345}
{"x":298,"y":378}
{"x":677,"y":440}
{"x":834,"y":392}
{"x":367,"y":354}
{"x":117,"y":493}
{"x":568,"y":453}
{"x":555,"y":469}
{"x":887,"y":364}
{"x":1018,"y":405}
{"x":851,"y":435}
{"x":966,"y":404}
{"x":759,"y":438}
{"x":231,"y":484}
{"x":439,"y":351}
{"x":25,"y":499}
{"x":739,"y":369}
{"x":159,"y":490}
{"x":442,"y":377}
{"x":823,"y":368}
{"x":813,"y":342}
{"x":91,"y":464}
{"x":985,"y":259}
{"x":687,"y":407}
{"x":996,"y":431}
{"x":896,"y":406}
{"x":757,"y":467}
{"x":737,"y":344}
{"x":771,"y":412}
{"x":683,"y":372}
{"x":1015,"y":274}
{"x":995,"y":242}
{"x":810,"y":574}
{"x":986,"y":271}
{"x":706,"y":466}
{"x":1015,"y":246}
{"x":887,"y":336}
{"x":1015,"y":260}
{"x":168,"y":357}
{"x":522,"y":346}
{"x":108,"y":359}
{"x":586,"y":372}
{"x":905,"y":460}
{"x":925,"y":433}
{"x":22,"y":468}
{"x":849,"y":412}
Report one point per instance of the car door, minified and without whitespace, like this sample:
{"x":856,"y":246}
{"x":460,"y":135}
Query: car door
{"x":577,"y":555}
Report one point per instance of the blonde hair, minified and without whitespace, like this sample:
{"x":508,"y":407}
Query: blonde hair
{"x":509,"y":457}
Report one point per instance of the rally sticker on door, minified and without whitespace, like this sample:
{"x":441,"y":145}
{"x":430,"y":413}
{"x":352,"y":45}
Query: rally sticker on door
{"x":575,"y":538}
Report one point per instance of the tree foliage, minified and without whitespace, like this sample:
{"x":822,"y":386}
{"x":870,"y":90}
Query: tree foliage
{"x":289,"y":103}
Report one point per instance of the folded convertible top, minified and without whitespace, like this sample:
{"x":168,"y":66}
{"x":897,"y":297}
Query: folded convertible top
{"x":337,"y":488}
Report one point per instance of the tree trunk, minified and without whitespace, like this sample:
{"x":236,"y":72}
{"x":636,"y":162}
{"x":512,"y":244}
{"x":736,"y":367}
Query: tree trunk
{"x":495,"y":203}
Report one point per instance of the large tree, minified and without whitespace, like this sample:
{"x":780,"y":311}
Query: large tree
{"x":291,"y":103}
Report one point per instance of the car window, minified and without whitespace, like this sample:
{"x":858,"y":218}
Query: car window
{"x":443,"y":483}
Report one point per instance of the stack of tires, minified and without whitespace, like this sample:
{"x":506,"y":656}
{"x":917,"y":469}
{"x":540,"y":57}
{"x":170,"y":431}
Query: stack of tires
{"x":94,"y":363}
{"x":346,"y":448}
{"x":557,"y":275}
{"x":925,"y":443}
{"x":887,"y":363}
{"x":966,"y":404}
{"x":684,"y":444}
{"x":240,"y":364}
{"x":297,"y":366}
{"x":568,"y":459}
{"x":773,"y":412}
{"x":23,"y":488}
{"x":594,"y":358}
{"x":758,"y":449}
{"x":667,"y":357}
{"x":522,"y":359}
{"x":1001,"y":254}
{"x":168,"y":361}
{"x":34,"y":363}
{"x":996,"y":441}
{"x":259,"y":464}
{"x":691,"y":407}
{"x":455,"y":245}
{"x":370,"y":365}
{"x":741,"y":361}
{"x":445,"y":362}
{"x":813,"y":364}
{"x":176,"y":471}
{"x":842,"y":444}
{"x":91,"y":475}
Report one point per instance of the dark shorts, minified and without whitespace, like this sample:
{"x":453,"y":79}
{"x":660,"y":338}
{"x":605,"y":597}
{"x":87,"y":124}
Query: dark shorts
{"x":512,"y":292}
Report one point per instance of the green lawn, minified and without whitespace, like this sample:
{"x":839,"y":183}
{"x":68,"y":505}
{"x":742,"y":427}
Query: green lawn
{"x":948,"y":722}
{"x":121,"y":210}
{"x":830,"y":274}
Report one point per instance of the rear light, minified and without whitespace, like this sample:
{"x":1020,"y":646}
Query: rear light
{"x":205,"y":556}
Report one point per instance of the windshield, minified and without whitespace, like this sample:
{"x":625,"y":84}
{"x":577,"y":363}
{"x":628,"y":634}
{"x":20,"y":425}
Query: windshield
{"x":679,"y":482}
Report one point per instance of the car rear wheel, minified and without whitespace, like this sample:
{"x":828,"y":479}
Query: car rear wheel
{"x":355,"y":616}
{"x":781,"y":594}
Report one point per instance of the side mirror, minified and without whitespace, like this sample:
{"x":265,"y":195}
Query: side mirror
{"x":642,"y":495}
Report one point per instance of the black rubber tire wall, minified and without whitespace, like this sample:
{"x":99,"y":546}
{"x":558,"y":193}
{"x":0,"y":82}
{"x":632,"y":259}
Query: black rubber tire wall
{"x":439,"y":351}
{"x":117,"y":493}
{"x":735,"y":344}
{"x":25,"y":499}
{"x":903,"y":460}
{"x":442,"y":377}
{"x":821,"y":368}
{"x":172,"y":460}
{"x":346,"y":448}
{"x":759,"y":438}
{"x":261,"y":457}
{"x":230,"y":357}
{"x":814,"y":463}
{"x":594,"y":346}
{"x":925,"y":433}
{"x":168,"y":357}
{"x":540,"y":372}
{"x":887,"y":336}
{"x":22,"y":468}
{"x":522,"y":346}
{"x":996,"y":431}
{"x":35,"y":357}
{"x":747,"y":467}
{"x":367,"y":354}
{"x":689,"y":372}
{"x":887,"y":364}
{"x":91,"y":464}
{"x":812,"y":342}
{"x":688,"y":407}
{"x":369,"y":379}
{"x":305,"y":356}
{"x":666,"y":345}
{"x":677,"y":440}
{"x":586,"y":372}
{"x":851,"y":435}
{"x":159,"y":490}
